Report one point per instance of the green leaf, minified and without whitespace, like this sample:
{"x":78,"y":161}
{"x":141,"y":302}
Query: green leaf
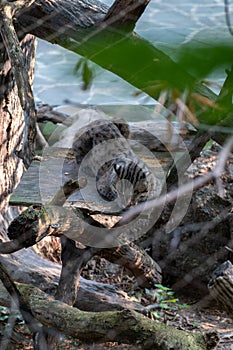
{"x":170,"y":293}
{"x":171,"y":301}
{"x":160,"y":286}
{"x":87,"y":75}
{"x":183,"y":306}
{"x":79,"y":65}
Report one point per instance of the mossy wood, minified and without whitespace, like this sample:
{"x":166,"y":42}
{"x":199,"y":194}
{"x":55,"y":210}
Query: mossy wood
{"x":126,"y":326}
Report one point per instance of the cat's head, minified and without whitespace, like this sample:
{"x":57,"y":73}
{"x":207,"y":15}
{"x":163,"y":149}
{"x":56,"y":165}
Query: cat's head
{"x":134,"y":182}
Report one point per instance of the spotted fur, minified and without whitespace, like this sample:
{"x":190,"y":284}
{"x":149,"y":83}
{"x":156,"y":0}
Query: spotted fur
{"x":102,"y":149}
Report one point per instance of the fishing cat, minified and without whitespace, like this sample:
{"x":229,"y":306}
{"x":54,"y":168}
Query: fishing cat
{"x":101,"y":149}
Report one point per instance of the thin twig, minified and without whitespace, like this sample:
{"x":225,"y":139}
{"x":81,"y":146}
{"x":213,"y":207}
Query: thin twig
{"x":228,"y":248}
{"x":194,"y":150}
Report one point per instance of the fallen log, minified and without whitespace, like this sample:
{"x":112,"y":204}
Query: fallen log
{"x":17,"y":298}
{"x":120,"y":326}
{"x":137,"y":261}
{"x":41,"y":273}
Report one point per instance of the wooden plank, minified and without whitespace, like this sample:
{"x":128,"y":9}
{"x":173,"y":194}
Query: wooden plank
{"x":43,"y":178}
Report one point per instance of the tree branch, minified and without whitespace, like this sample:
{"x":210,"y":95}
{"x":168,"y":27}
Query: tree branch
{"x":37,"y":222}
{"x":124,"y":14}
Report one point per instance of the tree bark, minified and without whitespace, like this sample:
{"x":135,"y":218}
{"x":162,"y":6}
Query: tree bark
{"x":120,"y":326}
{"x":11,"y":127}
{"x":22,"y":79}
{"x":137,"y":261}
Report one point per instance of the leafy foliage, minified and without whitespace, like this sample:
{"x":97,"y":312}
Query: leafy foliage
{"x":181,"y":73}
{"x":165,"y":301}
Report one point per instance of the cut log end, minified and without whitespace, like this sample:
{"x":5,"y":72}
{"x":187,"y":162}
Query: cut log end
{"x":221,"y":285}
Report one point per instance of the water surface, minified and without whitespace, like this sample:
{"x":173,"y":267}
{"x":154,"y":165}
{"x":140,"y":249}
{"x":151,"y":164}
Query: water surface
{"x":165,"y":24}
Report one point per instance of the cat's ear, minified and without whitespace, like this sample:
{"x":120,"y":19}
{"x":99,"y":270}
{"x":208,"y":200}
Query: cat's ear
{"x":121,"y":165}
{"x":123,"y":126}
